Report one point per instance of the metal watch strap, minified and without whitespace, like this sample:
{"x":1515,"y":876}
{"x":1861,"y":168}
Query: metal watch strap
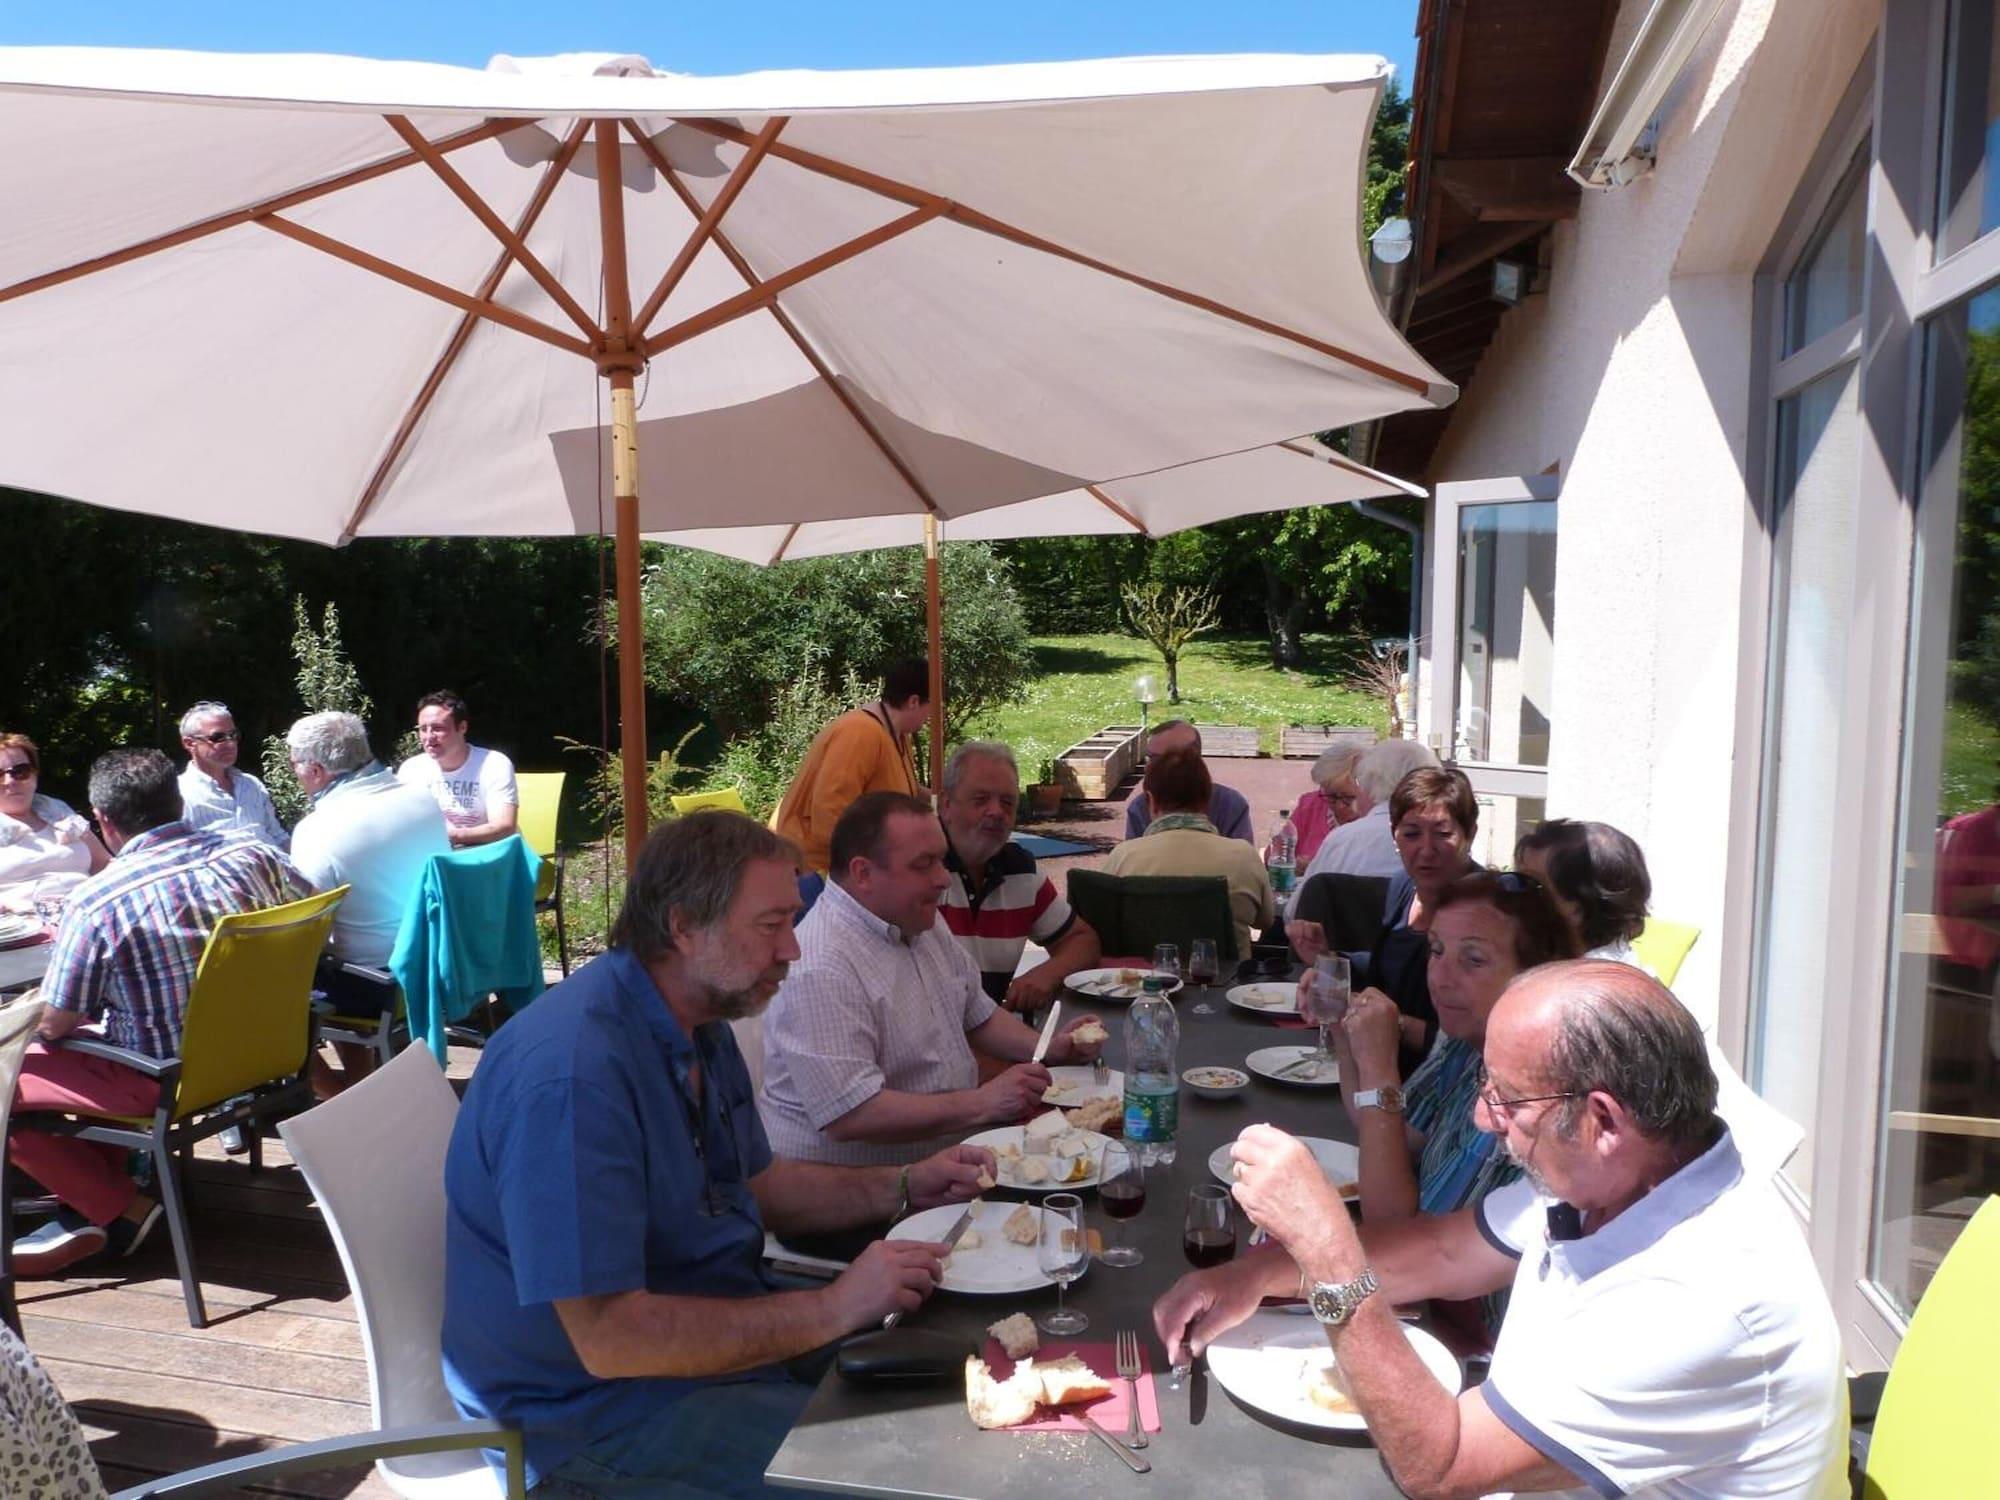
{"x":1388,"y":1099}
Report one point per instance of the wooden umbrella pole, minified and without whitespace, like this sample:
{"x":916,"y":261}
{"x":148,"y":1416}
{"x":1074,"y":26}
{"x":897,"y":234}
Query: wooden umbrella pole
{"x":619,"y":363}
{"x":934,"y":624}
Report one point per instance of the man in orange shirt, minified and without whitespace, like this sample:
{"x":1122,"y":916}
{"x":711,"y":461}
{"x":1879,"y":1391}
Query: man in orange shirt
{"x":866,"y":749}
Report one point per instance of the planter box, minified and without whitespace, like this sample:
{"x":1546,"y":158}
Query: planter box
{"x":1306,"y":741}
{"x":1237,"y":741}
{"x":1092,"y":769}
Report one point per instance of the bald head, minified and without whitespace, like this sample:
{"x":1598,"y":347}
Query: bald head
{"x":1599,"y":1026}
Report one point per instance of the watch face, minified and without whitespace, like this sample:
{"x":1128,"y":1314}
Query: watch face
{"x":1329,"y":1303}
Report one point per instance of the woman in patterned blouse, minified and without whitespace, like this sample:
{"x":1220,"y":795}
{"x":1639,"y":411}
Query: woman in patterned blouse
{"x":1432,"y":1157}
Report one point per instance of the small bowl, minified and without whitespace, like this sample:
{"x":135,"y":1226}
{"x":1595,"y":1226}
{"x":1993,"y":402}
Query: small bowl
{"x":1215,"y":1083}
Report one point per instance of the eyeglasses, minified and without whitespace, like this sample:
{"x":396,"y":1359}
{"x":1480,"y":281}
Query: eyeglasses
{"x":220,"y":737}
{"x":1341,"y":799}
{"x":1503,"y":1108}
{"x":23,"y":772}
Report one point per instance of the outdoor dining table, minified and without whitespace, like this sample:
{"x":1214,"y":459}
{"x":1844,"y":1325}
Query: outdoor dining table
{"x":24,"y":966}
{"x":883,"y":1440}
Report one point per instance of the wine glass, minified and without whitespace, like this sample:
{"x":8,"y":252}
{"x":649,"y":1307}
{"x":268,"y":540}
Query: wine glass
{"x":1062,"y":1252}
{"x":1207,"y":1236}
{"x":1323,"y":996}
{"x":1167,"y":963}
{"x":1121,"y":1190}
{"x":1204,"y":966}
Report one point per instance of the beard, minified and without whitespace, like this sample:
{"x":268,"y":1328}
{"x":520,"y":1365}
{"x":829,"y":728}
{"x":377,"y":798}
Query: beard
{"x":731,"y":993}
{"x":1535,"y":1179}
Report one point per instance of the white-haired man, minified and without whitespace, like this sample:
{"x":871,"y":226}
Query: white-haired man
{"x":370,"y":832}
{"x":217,"y":796}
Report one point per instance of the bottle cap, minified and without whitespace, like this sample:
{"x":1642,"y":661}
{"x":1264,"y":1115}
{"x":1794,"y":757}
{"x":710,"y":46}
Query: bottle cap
{"x":1153,"y":984}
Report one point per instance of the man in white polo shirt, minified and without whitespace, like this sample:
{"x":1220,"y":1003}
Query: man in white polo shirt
{"x":1667,"y":1334}
{"x":472,"y":785}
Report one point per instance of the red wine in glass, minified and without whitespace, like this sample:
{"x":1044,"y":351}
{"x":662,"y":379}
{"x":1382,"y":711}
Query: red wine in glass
{"x":1207,"y":1247}
{"x":1122,"y":1198}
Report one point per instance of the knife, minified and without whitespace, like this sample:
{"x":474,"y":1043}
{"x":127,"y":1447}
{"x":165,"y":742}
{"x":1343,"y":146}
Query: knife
{"x":1048,"y":1031}
{"x":1310,"y":1060}
{"x":1198,"y":1391}
{"x":950,"y":1242}
{"x":1132,"y":1460}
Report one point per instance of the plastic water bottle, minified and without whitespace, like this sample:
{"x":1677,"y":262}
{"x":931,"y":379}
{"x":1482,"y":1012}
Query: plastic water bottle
{"x":1152,"y":1080}
{"x":1281,"y":861}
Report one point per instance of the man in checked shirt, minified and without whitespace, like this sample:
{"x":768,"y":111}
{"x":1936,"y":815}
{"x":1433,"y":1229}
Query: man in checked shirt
{"x":130,"y":941}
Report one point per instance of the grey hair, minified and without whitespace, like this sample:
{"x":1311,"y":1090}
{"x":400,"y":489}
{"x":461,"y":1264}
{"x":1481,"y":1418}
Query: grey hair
{"x":335,"y":742}
{"x":1334,"y":762}
{"x":206,"y":709}
{"x":1621,"y":1032}
{"x":694,"y":866}
{"x":1382,"y":766}
{"x":954,"y":768}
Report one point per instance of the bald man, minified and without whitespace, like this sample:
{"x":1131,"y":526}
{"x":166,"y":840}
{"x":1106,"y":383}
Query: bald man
{"x":1667,"y":1333}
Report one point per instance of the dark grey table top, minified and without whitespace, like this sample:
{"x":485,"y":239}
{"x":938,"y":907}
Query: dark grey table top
{"x":22,"y":967}
{"x":876,"y":1441}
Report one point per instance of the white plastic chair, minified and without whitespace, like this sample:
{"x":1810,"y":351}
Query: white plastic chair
{"x":17,"y":1029}
{"x":374,"y":1158}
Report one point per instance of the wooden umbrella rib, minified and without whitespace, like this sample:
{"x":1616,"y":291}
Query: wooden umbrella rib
{"x":707,"y":220}
{"x":416,"y":282}
{"x":236,"y":217}
{"x":779,"y":556}
{"x":742,"y":267}
{"x":1117,"y":510}
{"x":514,"y":244}
{"x":544,"y":191}
{"x":752,"y":298}
{"x":970,"y":218}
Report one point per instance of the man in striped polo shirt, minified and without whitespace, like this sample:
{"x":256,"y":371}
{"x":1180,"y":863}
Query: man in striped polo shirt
{"x":997,"y":899}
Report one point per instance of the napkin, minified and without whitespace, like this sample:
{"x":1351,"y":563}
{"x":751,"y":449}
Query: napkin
{"x":1109,"y":1411}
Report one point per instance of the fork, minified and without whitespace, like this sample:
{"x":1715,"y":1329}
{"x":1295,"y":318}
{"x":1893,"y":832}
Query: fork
{"x":1128,"y":1371}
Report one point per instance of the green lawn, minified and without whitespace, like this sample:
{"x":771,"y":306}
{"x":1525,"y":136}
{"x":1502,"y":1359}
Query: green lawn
{"x":1971,"y":761}
{"x":1084,"y":682}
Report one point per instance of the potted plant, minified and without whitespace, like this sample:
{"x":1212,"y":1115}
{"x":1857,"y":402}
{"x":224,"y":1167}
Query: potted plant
{"x":1045,"y":794}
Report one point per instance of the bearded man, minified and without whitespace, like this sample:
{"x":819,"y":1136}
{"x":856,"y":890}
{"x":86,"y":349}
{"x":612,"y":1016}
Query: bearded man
{"x":609,"y":1184}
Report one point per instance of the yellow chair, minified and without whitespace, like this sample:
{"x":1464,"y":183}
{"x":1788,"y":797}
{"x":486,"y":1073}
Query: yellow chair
{"x":1663,"y":947}
{"x":728,"y":800}
{"x":541,"y":799}
{"x":246,"y":1036}
{"x":1934,"y":1433}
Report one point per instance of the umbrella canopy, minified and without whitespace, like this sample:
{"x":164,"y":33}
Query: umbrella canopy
{"x":328,"y":297}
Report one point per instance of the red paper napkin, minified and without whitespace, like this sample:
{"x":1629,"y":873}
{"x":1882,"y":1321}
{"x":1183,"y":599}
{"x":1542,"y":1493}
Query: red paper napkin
{"x":1292,"y":1023}
{"x":1107,"y":1411}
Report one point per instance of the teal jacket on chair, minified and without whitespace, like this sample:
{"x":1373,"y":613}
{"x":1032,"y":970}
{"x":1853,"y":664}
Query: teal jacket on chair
{"x":469,"y":933}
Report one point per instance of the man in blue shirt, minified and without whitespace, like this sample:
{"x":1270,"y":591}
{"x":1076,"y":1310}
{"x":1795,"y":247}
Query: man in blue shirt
{"x":1228,"y":809}
{"x":609,"y":1184}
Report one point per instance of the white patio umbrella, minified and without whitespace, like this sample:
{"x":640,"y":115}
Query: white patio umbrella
{"x":1283,"y":476}
{"x":328,"y":297}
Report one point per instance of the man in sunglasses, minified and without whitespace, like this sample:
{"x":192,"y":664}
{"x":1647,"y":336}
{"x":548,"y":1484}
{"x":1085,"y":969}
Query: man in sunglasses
{"x":218,"y":797}
{"x":1667,"y":1332}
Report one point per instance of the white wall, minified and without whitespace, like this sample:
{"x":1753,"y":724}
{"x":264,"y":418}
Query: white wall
{"x":1632,"y":373}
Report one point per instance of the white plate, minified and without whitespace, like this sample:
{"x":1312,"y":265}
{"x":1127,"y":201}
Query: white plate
{"x":1269,"y":998}
{"x":19,"y":928}
{"x":1077,"y":1077}
{"x":1104,"y":984}
{"x":1340,"y":1161}
{"x":997,"y":1266}
{"x":1269,"y":1062}
{"x":1016,"y":1135}
{"x":1264,"y":1362}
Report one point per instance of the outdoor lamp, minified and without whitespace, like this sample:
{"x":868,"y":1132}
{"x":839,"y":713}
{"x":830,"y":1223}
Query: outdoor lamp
{"x":1147,"y":695}
{"x":1389,"y":260}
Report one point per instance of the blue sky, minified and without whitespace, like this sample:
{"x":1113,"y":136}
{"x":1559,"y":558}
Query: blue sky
{"x":696,"y":37}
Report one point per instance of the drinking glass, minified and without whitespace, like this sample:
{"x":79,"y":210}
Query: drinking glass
{"x":1323,"y":996}
{"x":1203,"y":969}
{"x":1167,"y":962}
{"x":1121,"y":1190}
{"x":1062,"y":1252}
{"x":1207,"y":1236}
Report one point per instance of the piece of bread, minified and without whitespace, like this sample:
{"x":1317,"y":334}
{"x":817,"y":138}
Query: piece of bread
{"x":1055,"y":1093}
{"x":1000,"y":1403}
{"x":1016,"y":1335}
{"x":985,"y":1179}
{"x":972,"y":1239}
{"x":1023,"y":1226}
{"x":1095,"y":1114}
{"x":1327,"y":1390}
{"x":1070,"y":1379}
{"x":1031,"y":1169}
{"x":1044,"y":1127}
{"x":1007,"y":1151}
{"x":1090,"y":1031}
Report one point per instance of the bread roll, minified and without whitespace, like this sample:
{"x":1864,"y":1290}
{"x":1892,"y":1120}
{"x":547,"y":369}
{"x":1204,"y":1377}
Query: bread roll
{"x":1000,"y":1403}
{"x":1016,"y":1335}
{"x":1069,"y":1379}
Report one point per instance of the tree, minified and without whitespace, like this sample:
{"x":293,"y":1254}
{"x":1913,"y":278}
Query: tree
{"x":327,"y":683}
{"x":1388,"y":160}
{"x":1167,"y":619}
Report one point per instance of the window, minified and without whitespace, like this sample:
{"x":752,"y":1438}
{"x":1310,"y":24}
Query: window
{"x":1968,"y":185}
{"x":1939,"y":1142}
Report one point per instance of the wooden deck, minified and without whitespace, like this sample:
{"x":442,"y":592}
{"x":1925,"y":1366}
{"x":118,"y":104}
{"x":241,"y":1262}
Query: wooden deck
{"x":280,"y":1362}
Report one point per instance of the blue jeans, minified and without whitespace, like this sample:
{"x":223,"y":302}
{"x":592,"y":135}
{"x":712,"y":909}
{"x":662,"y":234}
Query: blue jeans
{"x":710,"y":1442}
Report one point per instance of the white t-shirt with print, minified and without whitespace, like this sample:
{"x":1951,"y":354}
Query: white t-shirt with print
{"x":468,"y":795}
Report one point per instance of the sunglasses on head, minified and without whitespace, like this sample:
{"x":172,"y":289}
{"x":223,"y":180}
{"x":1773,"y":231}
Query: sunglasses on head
{"x":220,"y":737}
{"x":23,"y":772}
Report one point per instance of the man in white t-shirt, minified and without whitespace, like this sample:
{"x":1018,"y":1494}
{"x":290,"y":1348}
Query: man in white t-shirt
{"x":1667,"y":1334}
{"x":473,"y":786}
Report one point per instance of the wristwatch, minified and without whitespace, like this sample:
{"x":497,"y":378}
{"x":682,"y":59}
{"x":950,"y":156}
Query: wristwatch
{"x":1334,"y":1302}
{"x":1388,"y":1099}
